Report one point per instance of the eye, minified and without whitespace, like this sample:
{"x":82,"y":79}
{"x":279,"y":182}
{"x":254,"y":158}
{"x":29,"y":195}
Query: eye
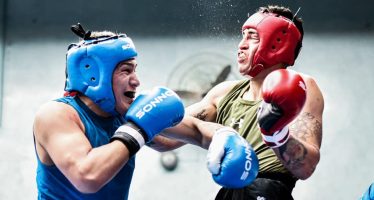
{"x":254,"y":35}
{"x":126,"y":70}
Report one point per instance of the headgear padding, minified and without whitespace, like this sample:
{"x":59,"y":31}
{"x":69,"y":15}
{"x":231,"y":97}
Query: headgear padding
{"x":90,"y":65}
{"x":279,"y":38}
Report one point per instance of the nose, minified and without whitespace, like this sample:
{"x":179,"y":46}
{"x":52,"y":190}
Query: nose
{"x":243,"y":44}
{"x":134,"y":81}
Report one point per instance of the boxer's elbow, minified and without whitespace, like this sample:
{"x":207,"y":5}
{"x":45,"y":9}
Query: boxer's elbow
{"x":87,"y":182}
{"x":87,"y":187}
{"x":305,"y":174}
{"x":307,"y":169}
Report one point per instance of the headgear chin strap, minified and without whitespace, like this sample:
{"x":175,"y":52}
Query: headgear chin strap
{"x":279,"y":38}
{"x":90,"y":65}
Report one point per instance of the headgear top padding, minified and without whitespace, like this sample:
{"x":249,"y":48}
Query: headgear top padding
{"x":90,"y":65}
{"x":279,"y":37}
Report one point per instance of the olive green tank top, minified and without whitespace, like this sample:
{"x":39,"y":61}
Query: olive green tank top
{"x":240,"y":114}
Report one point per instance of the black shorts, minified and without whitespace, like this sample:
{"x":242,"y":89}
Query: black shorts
{"x":260,"y":189}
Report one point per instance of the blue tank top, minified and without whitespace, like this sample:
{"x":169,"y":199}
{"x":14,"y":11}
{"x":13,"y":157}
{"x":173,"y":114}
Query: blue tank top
{"x":52,"y":184}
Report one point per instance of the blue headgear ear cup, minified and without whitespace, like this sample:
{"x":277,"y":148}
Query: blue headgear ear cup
{"x":90,"y":65}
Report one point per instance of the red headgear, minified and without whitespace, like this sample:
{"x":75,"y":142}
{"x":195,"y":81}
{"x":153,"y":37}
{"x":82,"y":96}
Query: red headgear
{"x":279,"y":38}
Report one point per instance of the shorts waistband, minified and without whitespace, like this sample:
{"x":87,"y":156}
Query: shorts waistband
{"x":287,"y":179}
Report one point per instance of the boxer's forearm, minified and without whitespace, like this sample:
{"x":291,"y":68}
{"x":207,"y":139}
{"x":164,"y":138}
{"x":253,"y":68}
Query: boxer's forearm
{"x":301,"y":153}
{"x":193,"y":131}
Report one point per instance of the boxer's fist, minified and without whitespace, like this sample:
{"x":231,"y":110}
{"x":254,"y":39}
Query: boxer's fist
{"x":154,"y":111}
{"x":231,"y":160}
{"x":284,"y":95}
{"x":148,"y":115}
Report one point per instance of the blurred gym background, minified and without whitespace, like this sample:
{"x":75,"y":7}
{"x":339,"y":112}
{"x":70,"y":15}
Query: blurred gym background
{"x":189,"y":45}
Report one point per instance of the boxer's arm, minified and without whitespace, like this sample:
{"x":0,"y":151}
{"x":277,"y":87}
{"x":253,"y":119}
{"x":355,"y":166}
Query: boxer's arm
{"x":206,"y":109}
{"x":190,"y":131}
{"x":301,"y":153}
{"x":61,"y":140}
{"x":162,"y":143}
{"x":197,"y":126}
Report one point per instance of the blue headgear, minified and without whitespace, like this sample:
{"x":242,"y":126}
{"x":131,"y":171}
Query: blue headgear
{"x":90,"y":65}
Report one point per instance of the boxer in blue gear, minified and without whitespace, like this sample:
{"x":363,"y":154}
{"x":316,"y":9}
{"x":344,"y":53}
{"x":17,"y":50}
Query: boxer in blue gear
{"x":85,"y":142}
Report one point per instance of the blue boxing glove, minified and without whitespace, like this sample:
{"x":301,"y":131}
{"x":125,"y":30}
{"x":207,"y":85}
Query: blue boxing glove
{"x":231,"y":160}
{"x":369,"y":194}
{"x":147,"y":116}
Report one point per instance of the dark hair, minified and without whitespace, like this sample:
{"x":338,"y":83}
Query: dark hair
{"x":286,"y":12}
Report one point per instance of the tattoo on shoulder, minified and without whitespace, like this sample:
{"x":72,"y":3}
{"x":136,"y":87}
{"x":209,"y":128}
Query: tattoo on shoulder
{"x":293,"y":153}
{"x":202,"y":115}
{"x":307,"y":126}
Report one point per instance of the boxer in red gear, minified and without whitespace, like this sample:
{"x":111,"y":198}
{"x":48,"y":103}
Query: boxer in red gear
{"x":272,"y":39}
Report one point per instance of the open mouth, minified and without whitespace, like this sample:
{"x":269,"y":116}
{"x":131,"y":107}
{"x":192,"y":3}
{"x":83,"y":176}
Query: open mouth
{"x":241,"y":56}
{"x":129,"y":94}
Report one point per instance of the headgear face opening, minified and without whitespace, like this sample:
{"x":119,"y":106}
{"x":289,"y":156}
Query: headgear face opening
{"x":279,"y":38}
{"x":90,"y":65}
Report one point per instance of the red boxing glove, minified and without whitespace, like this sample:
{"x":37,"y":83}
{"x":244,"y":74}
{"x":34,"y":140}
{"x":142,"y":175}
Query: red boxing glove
{"x":284,"y":95}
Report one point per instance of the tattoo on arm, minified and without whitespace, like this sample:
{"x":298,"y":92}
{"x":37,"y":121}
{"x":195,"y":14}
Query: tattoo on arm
{"x":307,"y":127}
{"x":201,"y":115}
{"x":293,"y":153}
